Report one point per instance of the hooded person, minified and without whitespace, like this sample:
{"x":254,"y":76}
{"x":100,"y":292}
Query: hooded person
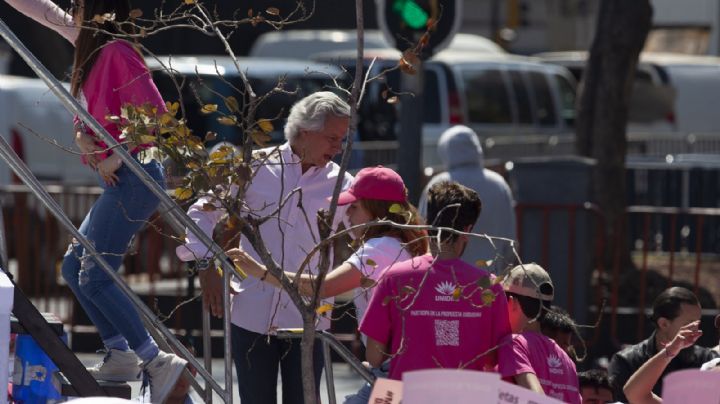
{"x":462,"y":156}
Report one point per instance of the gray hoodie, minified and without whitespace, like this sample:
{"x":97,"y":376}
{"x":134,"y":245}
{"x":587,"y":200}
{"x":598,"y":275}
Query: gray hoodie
{"x":461,"y":154}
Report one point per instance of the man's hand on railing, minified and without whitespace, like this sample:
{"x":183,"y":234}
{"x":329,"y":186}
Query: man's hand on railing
{"x":211,"y":282}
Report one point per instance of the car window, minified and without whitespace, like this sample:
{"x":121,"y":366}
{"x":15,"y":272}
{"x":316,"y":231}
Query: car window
{"x":544,"y":105}
{"x":487,"y":97}
{"x":522,"y":97}
{"x":567,"y":99}
{"x":431,"y":109}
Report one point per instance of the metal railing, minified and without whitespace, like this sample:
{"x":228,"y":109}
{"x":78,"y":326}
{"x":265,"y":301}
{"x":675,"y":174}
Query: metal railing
{"x":176,"y":215}
{"x":328,"y":342}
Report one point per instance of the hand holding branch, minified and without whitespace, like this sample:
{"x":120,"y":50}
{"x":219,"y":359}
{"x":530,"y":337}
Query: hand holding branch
{"x":247,"y":263}
{"x":87,"y":146}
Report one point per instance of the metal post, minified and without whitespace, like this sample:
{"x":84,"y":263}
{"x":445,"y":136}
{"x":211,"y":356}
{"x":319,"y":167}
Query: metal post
{"x":329,"y":378}
{"x":4,"y":263}
{"x":336,"y":346}
{"x":228,"y":340}
{"x":411,"y":138}
{"x":207,"y":349}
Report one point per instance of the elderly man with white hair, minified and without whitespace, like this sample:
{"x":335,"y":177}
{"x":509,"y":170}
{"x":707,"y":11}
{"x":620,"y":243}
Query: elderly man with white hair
{"x":315,"y":131}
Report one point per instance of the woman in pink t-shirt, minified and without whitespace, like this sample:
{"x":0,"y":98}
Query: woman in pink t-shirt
{"x":372,"y":196}
{"x":107,"y":74}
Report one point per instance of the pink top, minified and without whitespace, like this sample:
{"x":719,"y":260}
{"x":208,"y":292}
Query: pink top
{"x":532,"y":352}
{"x":416,"y":312}
{"x":119,"y":76}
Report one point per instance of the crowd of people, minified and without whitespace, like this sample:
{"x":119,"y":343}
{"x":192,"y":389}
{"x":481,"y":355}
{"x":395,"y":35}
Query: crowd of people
{"x":429,"y":292}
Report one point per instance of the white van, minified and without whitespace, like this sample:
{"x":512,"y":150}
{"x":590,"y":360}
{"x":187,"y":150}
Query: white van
{"x":672,"y":93}
{"x":305,"y":44}
{"x":517,"y":105}
{"x":30,"y":120}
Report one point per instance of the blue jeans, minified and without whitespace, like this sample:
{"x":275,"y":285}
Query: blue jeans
{"x":110,"y":225}
{"x":257,"y":359}
{"x":363,"y":395}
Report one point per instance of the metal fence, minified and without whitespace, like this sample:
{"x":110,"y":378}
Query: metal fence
{"x":665,"y":243}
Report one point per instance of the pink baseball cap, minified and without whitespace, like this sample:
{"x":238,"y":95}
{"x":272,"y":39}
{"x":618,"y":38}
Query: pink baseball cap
{"x":379,"y":183}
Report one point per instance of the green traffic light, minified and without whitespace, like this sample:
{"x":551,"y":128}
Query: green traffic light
{"x":411,"y":13}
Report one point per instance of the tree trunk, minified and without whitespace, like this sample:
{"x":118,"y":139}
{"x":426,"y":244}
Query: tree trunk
{"x":622,"y":28}
{"x":306,"y":359}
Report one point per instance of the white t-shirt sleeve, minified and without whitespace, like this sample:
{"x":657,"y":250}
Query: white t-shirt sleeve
{"x":376,"y":254}
{"x":364,"y":259}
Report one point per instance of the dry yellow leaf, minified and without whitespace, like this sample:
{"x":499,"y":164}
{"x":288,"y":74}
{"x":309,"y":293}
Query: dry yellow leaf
{"x":265,"y":125}
{"x":208,"y":108}
{"x":183,"y":193}
{"x":324,"y":308}
{"x":488,"y":297}
{"x":228,"y":120}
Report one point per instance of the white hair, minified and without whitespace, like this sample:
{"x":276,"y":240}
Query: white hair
{"x":311,"y":112}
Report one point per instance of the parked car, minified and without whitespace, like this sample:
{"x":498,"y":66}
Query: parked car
{"x":672,"y":93}
{"x":204,"y":79}
{"x":517,"y":105}
{"x":304,"y":44}
{"x":31,"y":120}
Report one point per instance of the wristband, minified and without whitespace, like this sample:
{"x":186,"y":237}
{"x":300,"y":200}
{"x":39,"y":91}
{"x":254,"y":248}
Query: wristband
{"x":202,"y":264}
{"x":668,"y":355}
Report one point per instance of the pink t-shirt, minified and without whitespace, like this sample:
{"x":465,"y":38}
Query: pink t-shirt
{"x":432,"y":315}
{"x":532,"y":352}
{"x":119,"y":76}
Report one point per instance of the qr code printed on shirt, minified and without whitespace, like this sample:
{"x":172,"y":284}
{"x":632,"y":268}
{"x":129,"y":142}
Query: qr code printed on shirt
{"x":447,"y":332}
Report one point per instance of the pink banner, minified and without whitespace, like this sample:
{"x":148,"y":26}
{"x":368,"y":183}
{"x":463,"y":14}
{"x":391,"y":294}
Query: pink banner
{"x":386,"y":391}
{"x":691,"y":386}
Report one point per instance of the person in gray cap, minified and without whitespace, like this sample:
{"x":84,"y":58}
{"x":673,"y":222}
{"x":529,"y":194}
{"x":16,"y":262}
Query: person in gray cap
{"x":462,"y":156}
{"x":527,"y":357}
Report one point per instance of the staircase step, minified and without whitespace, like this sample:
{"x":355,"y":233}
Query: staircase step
{"x":112,"y":389}
{"x":51,"y":318}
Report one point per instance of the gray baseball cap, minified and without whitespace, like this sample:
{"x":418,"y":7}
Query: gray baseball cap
{"x":529,"y":280}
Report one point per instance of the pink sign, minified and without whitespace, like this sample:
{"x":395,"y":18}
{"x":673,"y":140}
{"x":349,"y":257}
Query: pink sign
{"x":449,"y":386}
{"x":512,"y":394}
{"x":464,"y":387}
{"x":386,"y":391}
{"x":691,"y":386}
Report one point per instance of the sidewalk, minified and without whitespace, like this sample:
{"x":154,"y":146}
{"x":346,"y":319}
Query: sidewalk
{"x":346,"y":380}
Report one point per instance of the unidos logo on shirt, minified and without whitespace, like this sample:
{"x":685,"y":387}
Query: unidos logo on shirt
{"x":555,"y":365}
{"x":446,"y":289}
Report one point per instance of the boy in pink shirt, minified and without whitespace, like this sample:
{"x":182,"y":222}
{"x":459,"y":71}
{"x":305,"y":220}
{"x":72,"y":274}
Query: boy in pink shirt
{"x":436,"y":311}
{"x":527,"y":357}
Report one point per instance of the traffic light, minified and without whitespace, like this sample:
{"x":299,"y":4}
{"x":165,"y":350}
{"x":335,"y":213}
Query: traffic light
{"x":404,"y":22}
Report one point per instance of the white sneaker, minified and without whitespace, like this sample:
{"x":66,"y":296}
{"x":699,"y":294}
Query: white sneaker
{"x":117,"y":366}
{"x":162,"y":373}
